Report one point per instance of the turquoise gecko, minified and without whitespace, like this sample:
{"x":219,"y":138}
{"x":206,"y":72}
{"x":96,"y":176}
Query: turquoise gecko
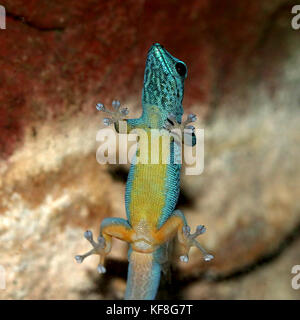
{"x":152,"y":190}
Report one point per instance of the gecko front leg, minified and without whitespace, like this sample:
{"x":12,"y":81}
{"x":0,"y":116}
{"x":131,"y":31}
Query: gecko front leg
{"x":119,"y":114}
{"x":182,"y":132}
{"x":115,"y":116}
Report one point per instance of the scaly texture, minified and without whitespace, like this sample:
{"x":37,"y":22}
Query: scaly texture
{"x":153,"y":182}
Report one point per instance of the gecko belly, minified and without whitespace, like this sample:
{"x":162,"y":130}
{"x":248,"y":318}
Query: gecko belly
{"x":147,"y":194}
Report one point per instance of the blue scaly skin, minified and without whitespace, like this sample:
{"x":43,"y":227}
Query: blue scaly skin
{"x":152,"y":190}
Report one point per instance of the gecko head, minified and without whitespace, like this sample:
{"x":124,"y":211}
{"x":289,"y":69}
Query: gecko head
{"x":164,"y":82}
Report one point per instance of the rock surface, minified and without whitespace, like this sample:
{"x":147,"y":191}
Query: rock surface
{"x":270,"y":281}
{"x":59,"y":58}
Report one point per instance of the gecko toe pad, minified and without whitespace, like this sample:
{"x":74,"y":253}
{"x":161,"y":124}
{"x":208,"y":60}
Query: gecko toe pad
{"x":191,"y":118}
{"x":79,"y":258}
{"x":101,"y":269}
{"x":116,"y":104}
{"x":184,"y":259}
{"x":100,"y":106}
{"x":208,"y":257}
{"x":107,"y":121}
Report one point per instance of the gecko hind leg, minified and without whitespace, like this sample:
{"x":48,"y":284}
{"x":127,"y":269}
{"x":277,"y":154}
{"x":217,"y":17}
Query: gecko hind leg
{"x":98,"y":249}
{"x":176,"y":223}
{"x":110,"y":227}
{"x":190,"y":240}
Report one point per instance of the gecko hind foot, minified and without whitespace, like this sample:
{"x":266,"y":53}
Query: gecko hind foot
{"x":98,"y":249}
{"x":191,"y":241}
{"x":118,"y":114}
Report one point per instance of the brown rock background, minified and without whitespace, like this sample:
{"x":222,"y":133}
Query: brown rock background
{"x":58,"y":58}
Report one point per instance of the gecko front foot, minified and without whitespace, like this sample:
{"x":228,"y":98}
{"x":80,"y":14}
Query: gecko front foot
{"x":178,"y":129}
{"x":190,"y":240}
{"x":98,"y":249}
{"x":114,"y":116}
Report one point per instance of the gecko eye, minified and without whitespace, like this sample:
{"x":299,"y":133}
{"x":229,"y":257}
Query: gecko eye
{"x":181,"y":69}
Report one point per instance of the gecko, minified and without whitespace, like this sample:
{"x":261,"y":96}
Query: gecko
{"x":152,"y":190}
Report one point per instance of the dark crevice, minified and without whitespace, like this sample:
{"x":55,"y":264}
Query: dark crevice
{"x":185,"y":200}
{"x":118,"y":173}
{"x":264,"y":260}
{"x":33,"y":25}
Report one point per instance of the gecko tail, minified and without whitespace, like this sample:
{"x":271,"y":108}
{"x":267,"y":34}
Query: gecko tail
{"x":143,"y":277}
